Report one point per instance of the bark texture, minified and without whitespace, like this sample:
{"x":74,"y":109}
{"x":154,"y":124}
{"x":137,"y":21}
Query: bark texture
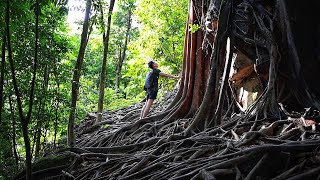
{"x":104,"y":62}
{"x":77,"y":73}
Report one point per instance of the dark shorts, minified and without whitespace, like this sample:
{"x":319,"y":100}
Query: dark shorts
{"x":151,"y":94}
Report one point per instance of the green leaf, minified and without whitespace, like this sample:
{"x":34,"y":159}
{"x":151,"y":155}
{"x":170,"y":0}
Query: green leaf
{"x":105,"y":126}
{"x":193,"y":27}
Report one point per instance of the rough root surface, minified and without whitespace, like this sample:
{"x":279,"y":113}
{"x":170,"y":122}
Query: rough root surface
{"x":121,"y":148}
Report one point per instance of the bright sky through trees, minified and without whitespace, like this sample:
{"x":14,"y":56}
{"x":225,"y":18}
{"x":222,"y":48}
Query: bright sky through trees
{"x":76,"y":12}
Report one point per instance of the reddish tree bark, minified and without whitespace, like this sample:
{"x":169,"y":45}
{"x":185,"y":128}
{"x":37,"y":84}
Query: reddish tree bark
{"x":189,"y":100}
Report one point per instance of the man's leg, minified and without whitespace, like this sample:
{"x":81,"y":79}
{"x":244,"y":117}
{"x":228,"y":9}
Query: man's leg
{"x":147,"y":107}
{"x":144,"y":106}
{"x":143,"y":109}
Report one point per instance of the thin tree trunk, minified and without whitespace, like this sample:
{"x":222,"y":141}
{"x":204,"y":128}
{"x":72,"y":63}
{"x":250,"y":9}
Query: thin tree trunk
{"x":35,"y":63}
{"x":18,"y":96}
{"x":56,"y":116}
{"x":14,"y":144}
{"x":38,"y":137}
{"x":104,"y":62}
{"x":40,"y":111}
{"x":123,"y":54}
{"x":117,"y":70}
{"x":37,"y":134}
{"x":92,"y":21}
{"x":28,"y":151}
{"x":24,"y":120}
{"x":46,"y":129}
{"x":33,"y":143}
{"x":3,"y":59}
{"x":45,"y":138}
{"x":77,"y":73}
{"x":57,"y":102}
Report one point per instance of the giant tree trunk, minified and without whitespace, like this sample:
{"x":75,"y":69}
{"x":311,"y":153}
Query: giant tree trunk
{"x":190,"y":95}
{"x":77,"y":74}
{"x":104,"y":61}
{"x":122,"y":53}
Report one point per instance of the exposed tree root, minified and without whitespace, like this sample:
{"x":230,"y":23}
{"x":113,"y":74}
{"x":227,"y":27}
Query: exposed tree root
{"x":230,"y":151}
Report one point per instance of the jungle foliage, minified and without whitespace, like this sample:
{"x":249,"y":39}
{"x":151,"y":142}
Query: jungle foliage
{"x":157,"y":35}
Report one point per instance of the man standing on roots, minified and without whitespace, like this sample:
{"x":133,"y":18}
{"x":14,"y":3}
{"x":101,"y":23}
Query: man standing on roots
{"x":151,"y":86}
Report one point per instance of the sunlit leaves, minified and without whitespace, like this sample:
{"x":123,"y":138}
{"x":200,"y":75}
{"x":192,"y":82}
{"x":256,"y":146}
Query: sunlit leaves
{"x":193,"y":27}
{"x":161,"y":27}
{"x":53,"y":74}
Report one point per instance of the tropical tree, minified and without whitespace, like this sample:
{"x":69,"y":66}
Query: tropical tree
{"x":105,"y":52}
{"x":123,"y":20}
{"x":77,"y":72}
{"x":25,"y":119}
{"x":31,"y":57}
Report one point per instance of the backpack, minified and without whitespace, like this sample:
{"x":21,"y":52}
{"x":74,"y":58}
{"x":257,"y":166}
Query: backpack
{"x":149,"y":81}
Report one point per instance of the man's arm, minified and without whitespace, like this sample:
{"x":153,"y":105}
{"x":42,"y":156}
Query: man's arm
{"x":168,"y":75}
